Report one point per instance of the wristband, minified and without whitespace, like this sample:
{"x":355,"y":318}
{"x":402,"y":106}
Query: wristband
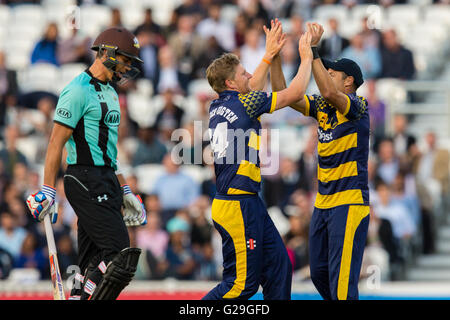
{"x":50,"y":192}
{"x":315,"y":52}
{"x":267,"y":61}
{"x":126,"y":189}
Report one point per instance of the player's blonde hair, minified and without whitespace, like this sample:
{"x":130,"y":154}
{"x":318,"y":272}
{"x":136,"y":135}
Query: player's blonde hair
{"x":221,"y":69}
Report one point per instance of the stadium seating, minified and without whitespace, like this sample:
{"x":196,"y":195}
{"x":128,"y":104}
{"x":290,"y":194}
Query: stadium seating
{"x":39,"y":77}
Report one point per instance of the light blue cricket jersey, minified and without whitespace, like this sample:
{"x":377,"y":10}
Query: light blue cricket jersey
{"x":91,"y":108}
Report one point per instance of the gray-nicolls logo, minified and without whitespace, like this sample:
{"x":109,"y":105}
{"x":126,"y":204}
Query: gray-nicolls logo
{"x":101,"y":198}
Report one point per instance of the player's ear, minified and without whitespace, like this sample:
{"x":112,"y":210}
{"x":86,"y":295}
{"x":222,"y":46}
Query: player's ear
{"x":230,"y":84}
{"x":349,"y":81}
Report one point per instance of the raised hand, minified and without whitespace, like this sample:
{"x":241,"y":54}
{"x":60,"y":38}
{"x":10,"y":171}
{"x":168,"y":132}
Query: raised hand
{"x":304,"y":47}
{"x":316,"y":30}
{"x":275,"y":38}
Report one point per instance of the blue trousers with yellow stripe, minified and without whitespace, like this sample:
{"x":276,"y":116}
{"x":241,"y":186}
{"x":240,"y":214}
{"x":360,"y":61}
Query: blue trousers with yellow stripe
{"x":253,"y":252}
{"x":337,"y":239}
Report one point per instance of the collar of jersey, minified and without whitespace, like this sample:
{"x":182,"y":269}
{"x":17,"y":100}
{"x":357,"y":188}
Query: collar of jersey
{"x":95,"y":79}
{"x":229,"y":92}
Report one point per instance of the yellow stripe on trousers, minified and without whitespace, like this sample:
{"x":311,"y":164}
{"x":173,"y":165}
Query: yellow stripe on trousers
{"x":354,"y":218}
{"x":228,"y":214}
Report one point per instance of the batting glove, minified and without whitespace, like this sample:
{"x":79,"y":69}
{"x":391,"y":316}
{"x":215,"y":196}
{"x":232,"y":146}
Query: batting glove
{"x":42,"y":203}
{"x":134,"y":213}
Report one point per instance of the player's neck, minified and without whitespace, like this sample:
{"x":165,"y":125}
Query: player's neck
{"x":98,"y":70}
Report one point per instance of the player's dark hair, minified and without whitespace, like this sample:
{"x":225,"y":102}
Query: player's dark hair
{"x":221,"y":69}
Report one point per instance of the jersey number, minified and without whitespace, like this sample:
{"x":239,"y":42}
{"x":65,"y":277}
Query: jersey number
{"x":219,"y":142}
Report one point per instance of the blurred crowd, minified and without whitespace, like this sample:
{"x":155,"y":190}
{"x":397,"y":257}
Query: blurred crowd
{"x":408,"y":174}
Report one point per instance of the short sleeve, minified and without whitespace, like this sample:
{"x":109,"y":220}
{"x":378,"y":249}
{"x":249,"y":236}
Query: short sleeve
{"x":311,"y":105}
{"x":258,"y":102}
{"x":70,"y":107}
{"x":356,"y":107}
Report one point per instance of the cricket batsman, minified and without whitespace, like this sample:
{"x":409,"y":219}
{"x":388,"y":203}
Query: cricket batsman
{"x":86,"y":122}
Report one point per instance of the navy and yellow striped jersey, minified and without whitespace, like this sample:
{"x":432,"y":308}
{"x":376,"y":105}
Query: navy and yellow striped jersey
{"x":235,"y":128}
{"x":343,"y":151}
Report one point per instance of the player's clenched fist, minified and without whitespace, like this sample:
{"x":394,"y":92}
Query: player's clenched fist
{"x":42,"y":203}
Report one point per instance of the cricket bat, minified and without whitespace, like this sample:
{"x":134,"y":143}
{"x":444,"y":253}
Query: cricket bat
{"x":58,"y":288}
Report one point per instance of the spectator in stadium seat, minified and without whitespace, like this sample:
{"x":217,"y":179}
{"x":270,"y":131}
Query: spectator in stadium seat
{"x":116,"y":18}
{"x":388,"y":164}
{"x":368,"y":58}
{"x":290,"y":63}
{"x":149,"y":148}
{"x":297,"y":238}
{"x":280,"y":190}
{"x":170,"y":117}
{"x":220,"y":30}
{"x":45,"y":50}
{"x":307,"y":163}
{"x":331,"y":47}
{"x":255,"y":10}
{"x":201,"y":228}
{"x":403,"y":225}
{"x":381,"y":242}
{"x":150,"y":25}
{"x":11,"y":235}
{"x":10,"y":155}
{"x":187,"y":47}
{"x":401,"y":138}
{"x":31,"y":256}
{"x":377,"y":112}
{"x":241,"y":24}
{"x":371,"y":35}
{"x":149,"y":54}
{"x":208,"y":186}
{"x":179,"y":255}
{"x":407,"y":199}
{"x":154,"y":241}
{"x":397,"y":61}
{"x":168,"y":76}
{"x":75,"y":49}
{"x":433,"y":169}
{"x":8,"y":78}
{"x":67,"y":255}
{"x":253,"y":49}
{"x":175,"y":189}
{"x":213,"y":50}
{"x":207,"y":268}
{"x":187,"y":7}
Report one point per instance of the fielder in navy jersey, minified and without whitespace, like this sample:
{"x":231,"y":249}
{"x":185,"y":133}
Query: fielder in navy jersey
{"x":253,"y":251}
{"x":340,"y":220}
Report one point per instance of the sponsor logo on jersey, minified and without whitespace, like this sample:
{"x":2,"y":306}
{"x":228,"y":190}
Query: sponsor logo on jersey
{"x":64,"y":113}
{"x":112,"y":118}
{"x":324,"y":136}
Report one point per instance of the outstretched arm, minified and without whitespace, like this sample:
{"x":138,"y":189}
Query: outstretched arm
{"x":275,"y":40}
{"x":322,"y":77}
{"x":297,"y":87}
{"x":278,"y":83}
